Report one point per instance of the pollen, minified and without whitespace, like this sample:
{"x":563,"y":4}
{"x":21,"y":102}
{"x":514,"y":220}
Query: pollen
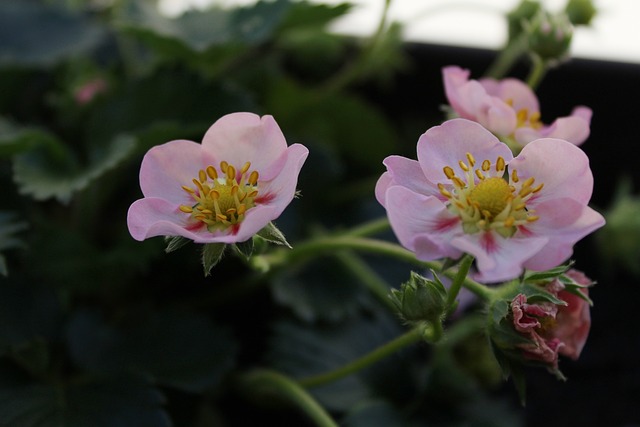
{"x":490,"y":196}
{"x":221,"y":196}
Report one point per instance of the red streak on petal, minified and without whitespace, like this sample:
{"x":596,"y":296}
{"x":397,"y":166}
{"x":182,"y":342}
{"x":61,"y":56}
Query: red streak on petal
{"x":524,"y":230}
{"x":194,"y":226}
{"x":488,"y":242}
{"x":444,"y":224}
{"x":266,"y":198}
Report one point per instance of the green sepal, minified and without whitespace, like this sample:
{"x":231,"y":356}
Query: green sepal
{"x":420,"y":299}
{"x":576,"y":288}
{"x":534,"y":276}
{"x":272,"y":234}
{"x":174,"y":243}
{"x":245,"y":248}
{"x":537,"y":293}
{"x":211,"y":255}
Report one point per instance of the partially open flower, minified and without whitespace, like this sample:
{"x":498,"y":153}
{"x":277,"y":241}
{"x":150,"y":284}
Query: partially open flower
{"x":510,"y":109}
{"x":224,"y":190}
{"x":553,"y":329}
{"x":467,"y":194}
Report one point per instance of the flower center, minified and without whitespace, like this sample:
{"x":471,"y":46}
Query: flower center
{"x":221,"y":200}
{"x":484,"y":200}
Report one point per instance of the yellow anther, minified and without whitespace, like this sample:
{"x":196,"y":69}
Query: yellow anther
{"x":212,"y":172}
{"x":535,"y":117}
{"x":207,"y":211}
{"x":509,"y":221}
{"x":199,"y":185}
{"x":522,"y":115}
{"x":444,"y":191}
{"x":471,"y":159}
{"x":252,"y":194}
{"x":479,"y":174}
{"x":186,"y":209}
{"x":223,"y":166}
{"x":519,"y":207}
{"x":528,"y":182}
{"x":221,"y":217}
{"x":242,"y":209}
{"x":253,"y":178}
{"x":532,"y":218}
{"x":463,"y":166}
{"x":214,"y":194}
{"x":538,"y":188}
{"x":188,"y":189}
{"x":245,"y":168}
{"x":486,"y":165}
{"x":448,"y":171}
{"x":514,"y":176}
{"x":230,"y":211}
{"x":486,"y":214}
{"x":202,"y":175}
{"x":458,"y":182}
{"x":500,"y":164}
{"x":231,"y":172}
{"x":234,"y":190}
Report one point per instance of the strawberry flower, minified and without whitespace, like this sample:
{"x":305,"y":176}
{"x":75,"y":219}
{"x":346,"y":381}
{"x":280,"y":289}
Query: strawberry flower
{"x":467,"y":194}
{"x":224,"y":190}
{"x":510,"y":109}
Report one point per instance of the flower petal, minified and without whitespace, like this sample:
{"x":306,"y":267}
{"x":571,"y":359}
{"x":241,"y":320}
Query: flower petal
{"x":167,"y":167}
{"x":498,"y":258}
{"x":447,"y":144}
{"x":518,"y":94}
{"x":280,"y":191}
{"x":562,"y":167}
{"x":408,"y":173}
{"x":565,"y":221}
{"x":421,"y":223}
{"x":245,"y":137}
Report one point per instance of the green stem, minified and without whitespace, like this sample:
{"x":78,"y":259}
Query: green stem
{"x":265,"y":381}
{"x":411,"y":337}
{"x":538,"y":70}
{"x":370,"y":228}
{"x":369,"y":278}
{"x":507,"y":57}
{"x":331,"y":244}
{"x":459,"y":279}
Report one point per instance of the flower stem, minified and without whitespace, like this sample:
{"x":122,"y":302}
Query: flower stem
{"x":459,"y":279}
{"x":412,"y":336}
{"x":266,"y":381}
{"x":538,"y":70}
{"x":370,"y":228}
{"x":507,"y":57}
{"x":331,"y":244}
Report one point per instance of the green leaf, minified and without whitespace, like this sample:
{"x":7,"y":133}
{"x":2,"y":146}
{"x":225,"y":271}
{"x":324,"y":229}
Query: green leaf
{"x":537,"y":293}
{"x":304,"y":350}
{"x":306,"y":14}
{"x":174,"y":243}
{"x":211,"y":255}
{"x":272,"y":234}
{"x":42,"y":34}
{"x":109,"y":402}
{"x":182,"y":350}
{"x":44,"y":175}
{"x":15,"y":139}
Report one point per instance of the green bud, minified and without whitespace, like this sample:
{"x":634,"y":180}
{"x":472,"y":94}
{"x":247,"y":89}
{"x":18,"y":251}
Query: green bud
{"x":550,"y":35}
{"x":580,"y":12}
{"x":619,"y":241}
{"x":524,"y":12}
{"x":420,"y":299}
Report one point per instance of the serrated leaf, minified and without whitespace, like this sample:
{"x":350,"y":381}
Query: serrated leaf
{"x":174,"y":243}
{"x":272,"y":234}
{"x":536,"y":293}
{"x":43,"y":176}
{"x":110,"y":402}
{"x":42,"y":34}
{"x":15,"y":139}
{"x":182,"y":350}
{"x":304,"y":350}
{"x":211,"y":255}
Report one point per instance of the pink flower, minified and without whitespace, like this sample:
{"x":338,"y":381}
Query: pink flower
{"x":89,"y":90}
{"x":467,"y":194}
{"x":554,"y":329}
{"x":510,"y":109}
{"x":224,"y":190}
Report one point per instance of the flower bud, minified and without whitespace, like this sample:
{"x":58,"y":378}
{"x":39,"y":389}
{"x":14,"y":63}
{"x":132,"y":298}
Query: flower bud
{"x":580,"y":12}
{"x":420,"y":299}
{"x":524,"y":12}
{"x":550,"y":35}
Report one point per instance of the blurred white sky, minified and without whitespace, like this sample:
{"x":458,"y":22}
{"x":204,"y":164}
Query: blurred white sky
{"x":614,"y":34}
